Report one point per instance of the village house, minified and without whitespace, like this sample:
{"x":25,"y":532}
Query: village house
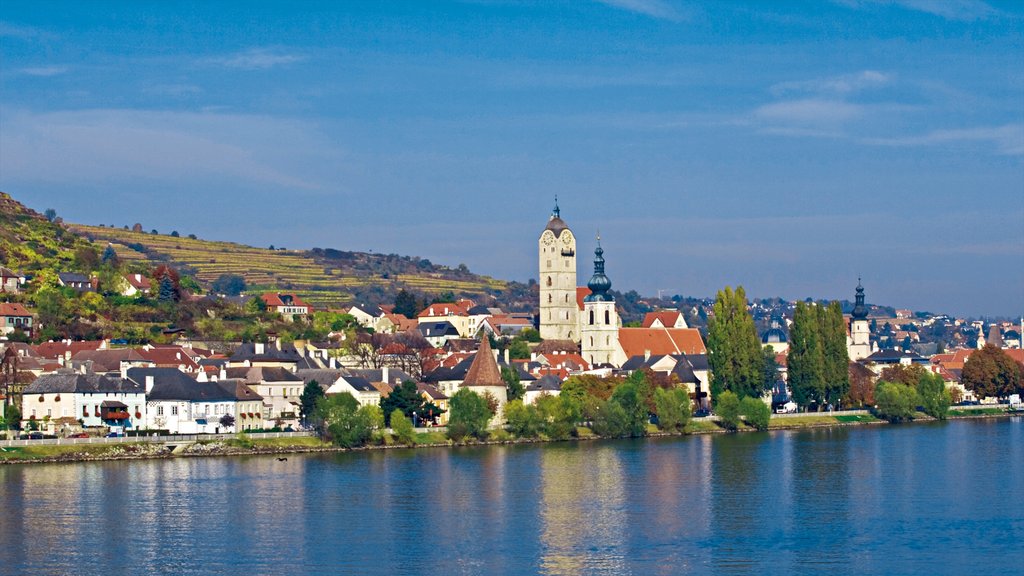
{"x":135,"y":284}
{"x":14,"y":316}
{"x":289,"y":306}
{"x":180,"y":404}
{"x":280,"y":389}
{"x":76,"y":281}
{"x":66,"y":401}
{"x":10,"y":283}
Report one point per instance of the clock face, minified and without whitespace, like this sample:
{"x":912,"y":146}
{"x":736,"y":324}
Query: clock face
{"x":548,"y":238}
{"x":567,"y":239}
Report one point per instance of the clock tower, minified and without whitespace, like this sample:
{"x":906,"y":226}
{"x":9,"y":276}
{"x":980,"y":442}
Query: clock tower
{"x":559,"y":314}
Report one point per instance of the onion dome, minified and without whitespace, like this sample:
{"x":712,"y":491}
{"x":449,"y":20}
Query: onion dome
{"x":599,"y":283}
{"x":860,"y":311}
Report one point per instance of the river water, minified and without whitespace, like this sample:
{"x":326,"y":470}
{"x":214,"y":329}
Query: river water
{"x":921,"y":498}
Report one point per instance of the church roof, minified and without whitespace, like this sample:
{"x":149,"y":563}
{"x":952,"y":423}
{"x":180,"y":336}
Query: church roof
{"x":655,"y":341}
{"x":556,"y":225}
{"x":484,"y":370}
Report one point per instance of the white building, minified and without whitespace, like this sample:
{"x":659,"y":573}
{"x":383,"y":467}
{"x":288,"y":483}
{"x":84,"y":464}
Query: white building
{"x":63,"y":400}
{"x":559,"y":311}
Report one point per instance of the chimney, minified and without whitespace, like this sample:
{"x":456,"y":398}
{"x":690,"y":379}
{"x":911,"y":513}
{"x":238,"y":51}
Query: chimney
{"x":201,"y":377}
{"x":647,"y":354}
{"x":260,"y":348}
{"x":124,"y":369}
{"x":507,"y":357}
{"x":149,"y":384}
{"x":223,"y":373}
{"x":384,"y":373}
{"x":533,"y":356}
{"x":177,"y":355}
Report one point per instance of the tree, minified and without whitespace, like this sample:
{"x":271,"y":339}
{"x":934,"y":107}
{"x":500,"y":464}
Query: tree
{"x":836,"y":358}
{"x":518,"y":349}
{"x":610,"y":420}
{"x":757,"y":413}
{"x":673,"y":408}
{"x":175,"y":234}
{"x":514,"y":388}
{"x":734,"y":349}
{"x":110,"y":257}
{"x":405,"y":304}
{"x":559,"y":415}
{"x":167,"y":293}
{"x":629,"y":395}
{"x":585,"y":385}
{"x":728,"y":410}
{"x":908,"y":375}
{"x":894,"y":401}
{"x":771,"y":368}
{"x":524,"y":420}
{"x":312,"y":392}
{"x":346,"y":423}
{"x":405,"y":397}
{"x":990,"y":372}
{"x":168,"y":284}
{"x":50,"y":214}
{"x":934,"y":397}
{"x":469,"y":415}
{"x":229,"y":284}
{"x":806,"y":360}
{"x":402,"y":427}
{"x":227,"y":421}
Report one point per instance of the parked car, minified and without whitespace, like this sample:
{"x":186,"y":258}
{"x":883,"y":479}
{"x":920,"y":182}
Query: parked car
{"x":113,"y":435}
{"x":79,"y":435}
{"x":32,"y":436}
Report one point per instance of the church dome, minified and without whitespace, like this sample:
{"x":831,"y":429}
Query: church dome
{"x":599,"y":283}
{"x":773,"y":336}
{"x":556,"y":225}
{"x":860,"y":311}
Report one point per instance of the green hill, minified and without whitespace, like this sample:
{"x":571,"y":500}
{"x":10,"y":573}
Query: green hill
{"x":30,"y":242}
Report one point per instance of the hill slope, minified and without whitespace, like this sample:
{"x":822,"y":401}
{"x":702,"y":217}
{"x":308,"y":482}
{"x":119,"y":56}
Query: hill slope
{"x":30,"y":242}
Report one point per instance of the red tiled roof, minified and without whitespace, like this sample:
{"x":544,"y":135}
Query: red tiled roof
{"x":272,"y":299}
{"x":668,"y":318}
{"x":581,"y":293}
{"x":57,"y":349}
{"x":656,"y":341}
{"x":13,"y":309}
{"x":168,"y":357}
{"x":484,"y":370}
{"x":441,"y":309}
{"x":137,"y":281}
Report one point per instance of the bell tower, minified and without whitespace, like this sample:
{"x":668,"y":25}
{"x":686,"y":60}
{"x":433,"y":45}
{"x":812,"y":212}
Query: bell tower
{"x":599,"y":326}
{"x":860,"y":332}
{"x":559,"y":314}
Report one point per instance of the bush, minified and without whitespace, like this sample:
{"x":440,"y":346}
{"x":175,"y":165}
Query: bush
{"x":728,"y":410}
{"x":402,"y":428}
{"x":559,"y":415}
{"x":610,"y":420}
{"x":347,"y":424}
{"x":673,"y":408}
{"x":629,"y":397}
{"x":935,"y":399}
{"x":758,"y":413}
{"x":469,"y":415}
{"x":895,"y":402}
{"x":523,"y":420}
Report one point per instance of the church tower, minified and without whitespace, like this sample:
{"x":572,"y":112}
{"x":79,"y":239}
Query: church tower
{"x":599,"y":326}
{"x":559,"y":314}
{"x":860,"y":333}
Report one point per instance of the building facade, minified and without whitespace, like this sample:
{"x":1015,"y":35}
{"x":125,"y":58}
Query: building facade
{"x":559,"y":311}
{"x":599,"y":327}
{"x":859,"y":346}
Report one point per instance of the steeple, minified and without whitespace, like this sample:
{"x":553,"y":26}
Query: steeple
{"x":860,"y":311}
{"x":556,"y":213}
{"x":599,"y":283}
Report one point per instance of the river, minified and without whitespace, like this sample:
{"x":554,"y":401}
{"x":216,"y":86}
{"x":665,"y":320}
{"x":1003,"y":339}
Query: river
{"x":919,"y":498}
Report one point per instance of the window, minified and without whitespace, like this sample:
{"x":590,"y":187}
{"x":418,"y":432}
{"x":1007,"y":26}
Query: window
{"x":607,"y":317}
{"x":549,"y":299}
{"x":591,"y":340}
{"x":159,"y":410}
{"x":174,"y":410}
{"x":591,"y":317}
{"x":549,"y":280}
{"x":549,"y":263}
{"x":567,"y":298}
{"x":85,"y":411}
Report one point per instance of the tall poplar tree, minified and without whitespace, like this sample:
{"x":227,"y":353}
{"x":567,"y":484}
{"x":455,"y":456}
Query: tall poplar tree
{"x":734,"y":350}
{"x":806,"y":361}
{"x":836,"y":367}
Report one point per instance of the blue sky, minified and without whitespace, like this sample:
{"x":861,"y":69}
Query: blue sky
{"x":785,"y":146}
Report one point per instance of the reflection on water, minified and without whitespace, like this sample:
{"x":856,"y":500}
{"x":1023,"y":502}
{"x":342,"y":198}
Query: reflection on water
{"x":933,"y":497}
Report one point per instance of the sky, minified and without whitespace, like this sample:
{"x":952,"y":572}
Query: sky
{"x":788,"y":147}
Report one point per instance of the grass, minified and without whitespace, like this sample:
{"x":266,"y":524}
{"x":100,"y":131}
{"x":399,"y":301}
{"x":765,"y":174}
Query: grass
{"x":55,"y":451}
{"x":298,"y":441}
{"x":856,"y":418}
{"x":431,"y":438}
{"x":698,"y":426}
{"x":801,"y":421}
{"x":979,"y":412}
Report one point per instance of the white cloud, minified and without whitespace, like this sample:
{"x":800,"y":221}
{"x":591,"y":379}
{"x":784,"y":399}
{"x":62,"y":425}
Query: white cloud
{"x":256,"y":59}
{"x":653,"y":8}
{"x":131,"y":145}
{"x":949,"y":9}
{"x":838,"y":85}
{"x":1008,"y":139}
{"x":44,"y":71}
{"x":808,"y":112}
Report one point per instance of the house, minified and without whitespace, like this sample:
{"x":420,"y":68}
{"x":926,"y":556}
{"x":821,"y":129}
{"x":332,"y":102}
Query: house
{"x":360,"y":389}
{"x":437,"y":333}
{"x":365,"y":315}
{"x":135,"y":284}
{"x":434,"y":396}
{"x":76,"y":281}
{"x":248,"y":411}
{"x":289,"y":306}
{"x":690,"y":370}
{"x":180,"y":404}
{"x":658,"y":341}
{"x":10,"y":283}
{"x":449,"y":312}
{"x":549,"y":385}
{"x":664,"y":319}
{"x":14,"y":316}
{"x":64,"y":400}
{"x":484,"y":378}
{"x":280,"y":389}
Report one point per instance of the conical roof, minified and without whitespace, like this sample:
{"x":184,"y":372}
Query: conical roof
{"x":484,"y":370}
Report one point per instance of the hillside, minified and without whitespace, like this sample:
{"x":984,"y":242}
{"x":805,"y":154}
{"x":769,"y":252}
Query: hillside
{"x":324,"y":277}
{"x":30,"y":242}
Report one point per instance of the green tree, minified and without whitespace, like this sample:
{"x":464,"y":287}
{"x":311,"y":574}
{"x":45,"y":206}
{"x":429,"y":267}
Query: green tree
{"x":757,"y":413}
{"x":524,"y":420}
{"x":673,"y":408}
{"x":771,"y":368}
{"x":734,"y":349}
{"x":518,"y":349}
{"x":610,"y":420}
{"x":836,"y":358}
{"x":405,"y":397}
{"x":629,"y":395}
{"x":990,"y":372}
{"x":50,"y":214}
{"x":895,"y":402}
{"x":312,"y":392}
{"x":514,"y":388}
{"x":469,"y":415}
{"x":255,"y":306}
{"x":346,"y":424}
{"x":530,"y":335}
{"x":806,"y":359}
{"x":110,"y":257}
{"x":402,"y":427}
{"x":559,"y":415}
{"x":935,"y":399}
{"x":405,"y":304}
{"x":728,"y":410}
{"x":229,"y":284}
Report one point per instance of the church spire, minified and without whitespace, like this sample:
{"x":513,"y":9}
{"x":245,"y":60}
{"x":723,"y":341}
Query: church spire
{"x":556,"y":213}
{"x":860,"y":311}
{"x":599,"y":283}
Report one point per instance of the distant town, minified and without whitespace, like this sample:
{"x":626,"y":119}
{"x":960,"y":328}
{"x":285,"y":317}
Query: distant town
{"x":96,"y":344}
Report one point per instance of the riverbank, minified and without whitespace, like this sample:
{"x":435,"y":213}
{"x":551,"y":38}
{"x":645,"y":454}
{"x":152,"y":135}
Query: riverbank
{"x":242,"y":445}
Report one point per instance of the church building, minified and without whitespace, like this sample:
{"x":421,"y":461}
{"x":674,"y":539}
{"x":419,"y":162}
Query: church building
{"x":599,"y":327}
{"x":559,"y":311}
{"x":859,"y":342}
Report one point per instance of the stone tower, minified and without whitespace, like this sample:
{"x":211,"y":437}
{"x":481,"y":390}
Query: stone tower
{"x":559,"y":314}
{"x":599,"y":326}
{"x":860,"y":332}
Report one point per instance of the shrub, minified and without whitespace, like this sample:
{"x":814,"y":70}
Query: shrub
{"x":610,"y":420}
{"x":673,"y":408}
{"x":895,"y":402}
{"x":402,"y":428}
{"x":559,"y":415}
{"x":758,"y":413}
{"x":728,"y":410}
{"x":469,"y":414}
{"x":935,"y":399}
{"x":523,"y":420}
{"x":629,"y":397}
